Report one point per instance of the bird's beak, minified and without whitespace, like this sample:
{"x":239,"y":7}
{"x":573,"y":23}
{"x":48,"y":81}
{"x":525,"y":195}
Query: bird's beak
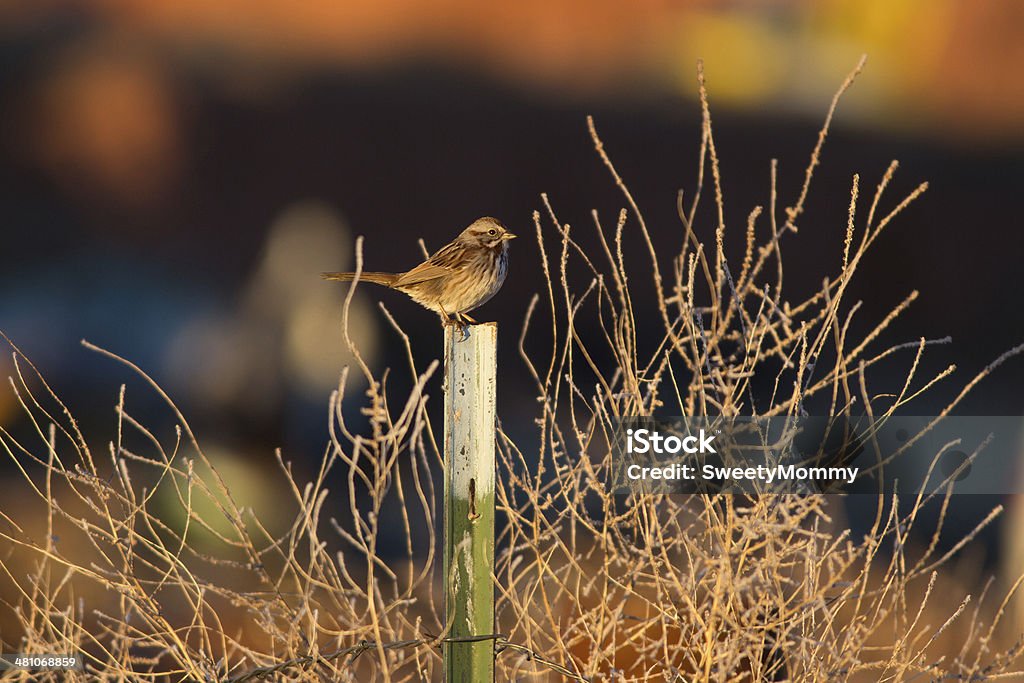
{"x":510,"y":236}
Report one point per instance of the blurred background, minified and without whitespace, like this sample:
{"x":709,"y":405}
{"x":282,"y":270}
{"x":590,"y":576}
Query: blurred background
{"x":174,"y":174}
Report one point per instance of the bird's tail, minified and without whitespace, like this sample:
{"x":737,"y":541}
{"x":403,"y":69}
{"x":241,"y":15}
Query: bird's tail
{"x":386,"y":279}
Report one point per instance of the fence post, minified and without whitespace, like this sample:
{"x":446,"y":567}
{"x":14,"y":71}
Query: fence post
{"x":469,"y":434}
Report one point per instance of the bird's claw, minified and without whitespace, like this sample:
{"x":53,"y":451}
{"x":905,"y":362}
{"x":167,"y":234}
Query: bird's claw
{"x":461,"y":324}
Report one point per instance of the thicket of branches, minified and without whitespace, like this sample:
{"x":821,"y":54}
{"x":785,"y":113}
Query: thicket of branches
{"x":589,"y":585}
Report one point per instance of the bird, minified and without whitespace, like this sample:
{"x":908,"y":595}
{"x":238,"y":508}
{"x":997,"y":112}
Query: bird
{"x":457,"y":278}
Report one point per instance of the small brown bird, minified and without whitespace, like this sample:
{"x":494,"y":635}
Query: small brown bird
{"x":458,"y":277}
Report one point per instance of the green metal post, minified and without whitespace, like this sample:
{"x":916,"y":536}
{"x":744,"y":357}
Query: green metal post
{"x":469,"y":435}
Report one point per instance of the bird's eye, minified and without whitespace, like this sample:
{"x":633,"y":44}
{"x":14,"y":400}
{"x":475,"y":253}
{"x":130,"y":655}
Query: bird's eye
{"x":492,"y":231}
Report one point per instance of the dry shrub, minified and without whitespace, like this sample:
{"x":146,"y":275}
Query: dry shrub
{"x":589,"y":585}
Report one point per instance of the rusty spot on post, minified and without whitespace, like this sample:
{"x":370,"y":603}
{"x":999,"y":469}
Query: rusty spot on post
{"x":473,"y":514}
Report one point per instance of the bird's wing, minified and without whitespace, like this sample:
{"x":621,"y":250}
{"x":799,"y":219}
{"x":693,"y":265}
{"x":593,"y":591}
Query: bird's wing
{"x":421,"y":273}
{"x":445,"y":262}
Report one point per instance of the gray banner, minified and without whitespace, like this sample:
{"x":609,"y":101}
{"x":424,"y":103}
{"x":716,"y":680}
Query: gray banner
{"x":854,"y":454}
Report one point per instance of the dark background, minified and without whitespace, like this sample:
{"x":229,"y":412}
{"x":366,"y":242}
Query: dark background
{"x":174,"y":176}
